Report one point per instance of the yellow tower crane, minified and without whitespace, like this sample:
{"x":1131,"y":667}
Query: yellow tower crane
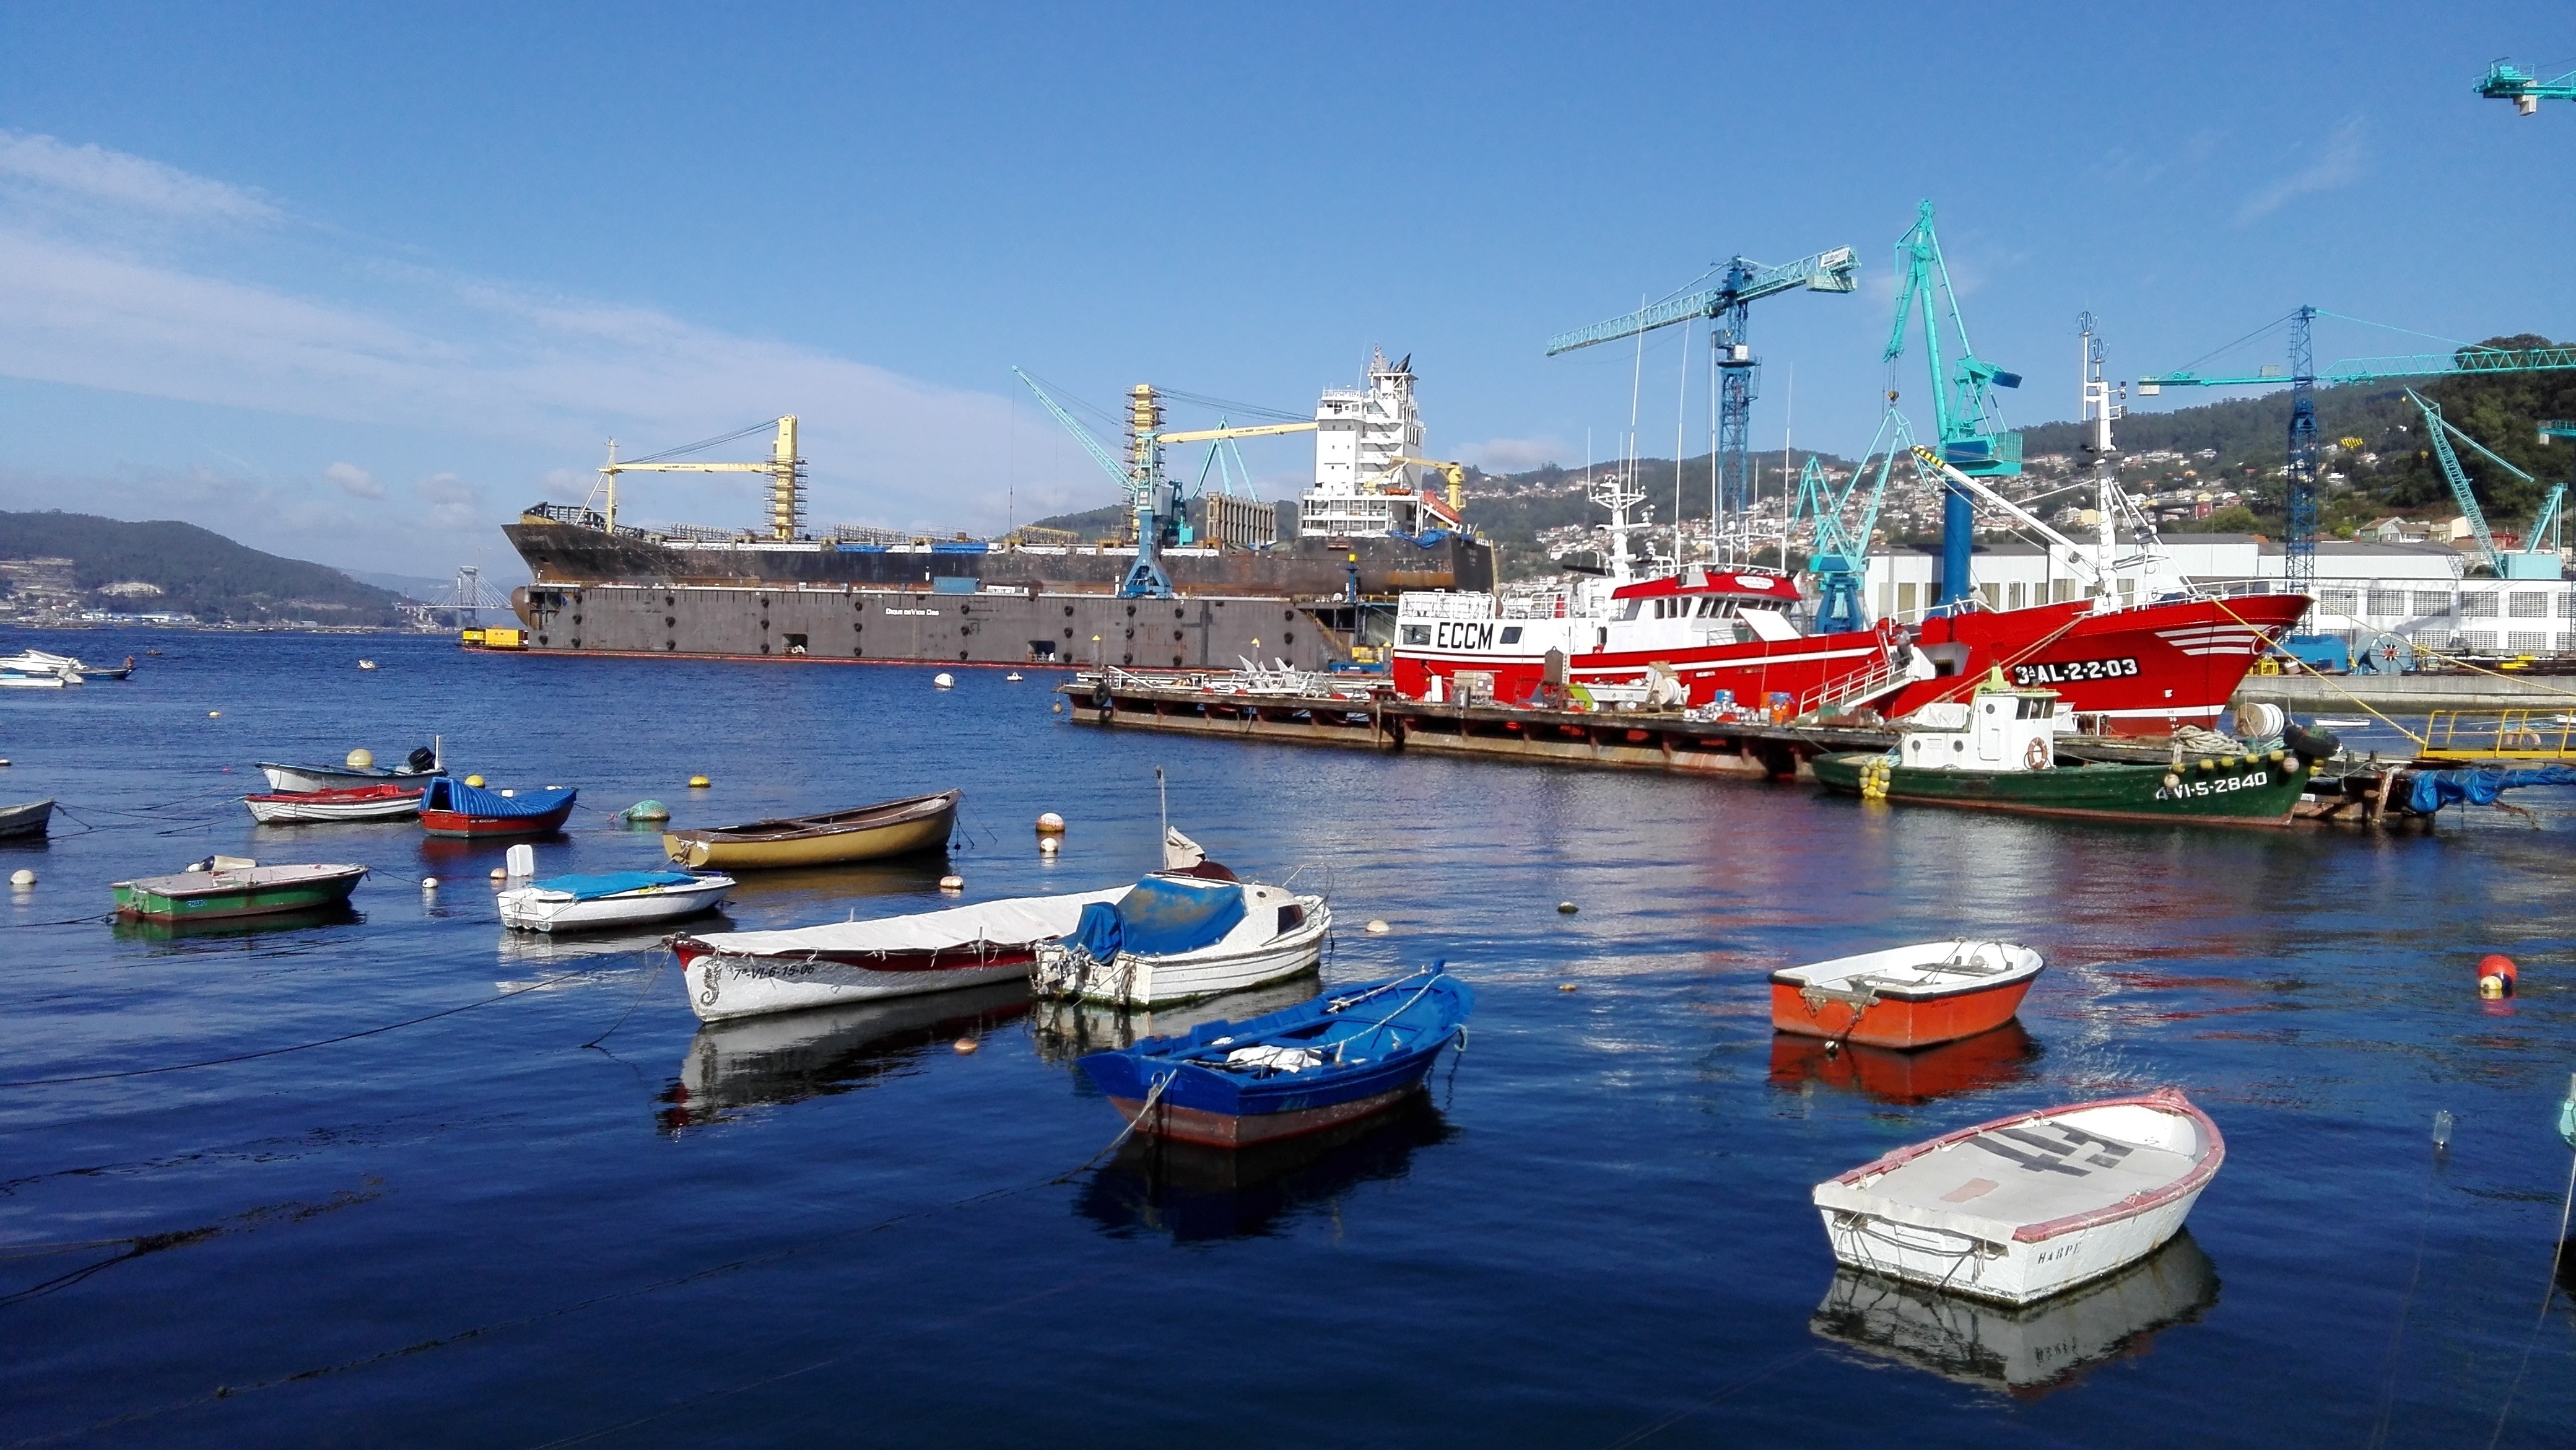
{"x":785,"y":469}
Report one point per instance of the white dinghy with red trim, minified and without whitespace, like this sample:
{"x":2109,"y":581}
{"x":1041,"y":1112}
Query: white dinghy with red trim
{"x":2027,"y":1206}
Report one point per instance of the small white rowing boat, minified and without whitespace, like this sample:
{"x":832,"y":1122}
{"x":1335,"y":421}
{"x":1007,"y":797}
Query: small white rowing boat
{"x":354,"y":803}
{"x":2027,"y":1206}
{"x":619,"y":898}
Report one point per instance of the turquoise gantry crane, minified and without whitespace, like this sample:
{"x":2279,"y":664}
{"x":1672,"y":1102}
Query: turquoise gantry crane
{"x":1839,"y":555}
{"x":1157,"y":511}
{"x":1729,"y":303}
{"x":2505,"y":81}
{"x":2528,"y":562}
{"x":2299,"y":550}
{"x":1970,"y":437}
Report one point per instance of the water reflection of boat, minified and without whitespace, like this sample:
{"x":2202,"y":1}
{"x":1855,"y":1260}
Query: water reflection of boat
{"x":568,"y":948}
{"x":2026,"y":1352}
{"x":1065,"y":1030}
{"x":336,"y":913}
{"x":789,"y":1057}
{"x":1197,"y":1193}
{"x":1972,"y":1064}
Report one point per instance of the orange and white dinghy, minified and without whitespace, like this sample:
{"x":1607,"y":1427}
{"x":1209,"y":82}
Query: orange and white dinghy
{"x":1912,"y":996}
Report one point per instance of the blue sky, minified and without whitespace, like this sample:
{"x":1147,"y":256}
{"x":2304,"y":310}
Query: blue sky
{"x":355,"y":283}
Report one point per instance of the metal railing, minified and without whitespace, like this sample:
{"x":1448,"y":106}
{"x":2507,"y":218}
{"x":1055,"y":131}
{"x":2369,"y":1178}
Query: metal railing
{"x":2500,"y":735}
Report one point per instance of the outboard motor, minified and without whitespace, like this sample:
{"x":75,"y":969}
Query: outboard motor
{"x":421,"y":761}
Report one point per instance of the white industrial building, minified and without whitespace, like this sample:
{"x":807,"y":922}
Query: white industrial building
{"x":2367,"y":593}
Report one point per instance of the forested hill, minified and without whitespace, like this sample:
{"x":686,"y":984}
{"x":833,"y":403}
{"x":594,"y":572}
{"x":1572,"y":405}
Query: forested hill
{"x":189,"y":570}
{"x":2370,"y":435}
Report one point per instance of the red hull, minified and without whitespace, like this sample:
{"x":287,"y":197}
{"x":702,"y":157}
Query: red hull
{"x":1896,"y":1021}
{"x":2137,"y":671}
{"x":458,"y":824}
{"x":1226,"y":1130}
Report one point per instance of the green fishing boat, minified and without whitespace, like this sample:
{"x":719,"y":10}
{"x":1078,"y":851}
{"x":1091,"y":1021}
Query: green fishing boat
{"x":229,"y":887}
{"x":1997,"y":752}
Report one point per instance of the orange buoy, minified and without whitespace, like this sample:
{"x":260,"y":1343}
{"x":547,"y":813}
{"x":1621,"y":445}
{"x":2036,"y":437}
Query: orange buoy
{"x":2496,"y":975}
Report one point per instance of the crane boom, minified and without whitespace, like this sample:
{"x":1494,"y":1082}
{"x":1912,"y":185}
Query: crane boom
{"x":1142,"y":477}
{"x":1260,"y":430}
{"x":2076,"y":554}
{"x":1835,"y":270}
{"x":2378,"y":369}
{"x":785,"y":469}
{"x":2529,"y":562}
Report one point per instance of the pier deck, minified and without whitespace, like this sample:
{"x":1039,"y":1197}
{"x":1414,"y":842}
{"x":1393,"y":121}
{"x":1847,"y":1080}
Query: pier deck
{"x":1365,"y":718}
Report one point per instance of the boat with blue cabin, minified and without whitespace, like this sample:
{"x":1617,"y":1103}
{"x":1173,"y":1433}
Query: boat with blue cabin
{"x":1351,"y":1052}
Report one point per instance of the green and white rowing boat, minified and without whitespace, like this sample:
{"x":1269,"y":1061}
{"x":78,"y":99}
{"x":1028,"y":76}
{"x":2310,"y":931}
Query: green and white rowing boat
{"x":235,"y":890}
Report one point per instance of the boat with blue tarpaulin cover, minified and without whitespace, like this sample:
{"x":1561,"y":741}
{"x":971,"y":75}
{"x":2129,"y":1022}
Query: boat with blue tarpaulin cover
{"x":453,"y":808}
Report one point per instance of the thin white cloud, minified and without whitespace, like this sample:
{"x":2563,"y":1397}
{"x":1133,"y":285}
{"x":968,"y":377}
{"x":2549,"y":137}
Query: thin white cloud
{"x":2338,"y":163}
{"x":93,"y":298}
{"x":354,"y":481}
{"x":96,"y":175}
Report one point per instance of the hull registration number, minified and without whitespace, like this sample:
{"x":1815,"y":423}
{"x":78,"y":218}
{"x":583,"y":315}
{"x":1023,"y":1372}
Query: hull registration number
{"x":2067,"y":672}
{"x":2192,"y":789}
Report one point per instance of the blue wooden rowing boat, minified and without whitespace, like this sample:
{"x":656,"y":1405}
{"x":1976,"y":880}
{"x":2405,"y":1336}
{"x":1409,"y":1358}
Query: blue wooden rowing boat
{"x":1353,"y":1051}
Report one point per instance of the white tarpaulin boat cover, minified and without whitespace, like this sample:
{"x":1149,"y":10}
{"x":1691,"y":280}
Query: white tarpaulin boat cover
{"x":1013,"y":922}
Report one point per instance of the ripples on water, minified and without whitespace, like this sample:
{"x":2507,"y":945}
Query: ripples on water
{"x":481,"y":1231}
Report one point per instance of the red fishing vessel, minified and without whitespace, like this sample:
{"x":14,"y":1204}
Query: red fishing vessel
{"x":453,"y":808}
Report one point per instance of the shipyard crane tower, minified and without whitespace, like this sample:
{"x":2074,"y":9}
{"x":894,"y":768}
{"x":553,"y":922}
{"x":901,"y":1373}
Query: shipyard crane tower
{"x":1156,"y":500}
{"x":2528,"y":562}
{"x":1970,"y":438}
{"x":1728,"y":305}
{"x":2299,"y":550}
{"x":2505,"y":81}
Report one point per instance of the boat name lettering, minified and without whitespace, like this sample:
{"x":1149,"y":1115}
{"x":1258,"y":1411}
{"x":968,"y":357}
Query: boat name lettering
{"x":1463,"y":634}
{"x":2192,"y":789}
{"x":932,"y":613}
{"x":2062,"y":672}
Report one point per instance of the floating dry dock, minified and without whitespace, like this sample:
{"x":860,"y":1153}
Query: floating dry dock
{"x":1363,"y":714}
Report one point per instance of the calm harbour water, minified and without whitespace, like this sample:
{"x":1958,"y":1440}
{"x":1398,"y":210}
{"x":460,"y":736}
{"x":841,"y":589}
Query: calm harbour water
{"x":500,"y":1228}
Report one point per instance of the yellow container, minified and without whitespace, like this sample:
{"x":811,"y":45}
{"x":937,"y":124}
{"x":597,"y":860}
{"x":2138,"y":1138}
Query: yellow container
{"x":505,"y":639}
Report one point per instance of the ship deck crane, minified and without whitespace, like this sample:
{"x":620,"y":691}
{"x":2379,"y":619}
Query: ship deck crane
{"x":2505,"y":81}
{"x":2528,"y":562}
{"x":1728,"y":304}
{"x":785,"y":469}
{"x":1452,"y":472}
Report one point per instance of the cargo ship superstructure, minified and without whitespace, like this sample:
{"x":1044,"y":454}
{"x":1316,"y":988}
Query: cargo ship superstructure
{"x":1176,"y":592}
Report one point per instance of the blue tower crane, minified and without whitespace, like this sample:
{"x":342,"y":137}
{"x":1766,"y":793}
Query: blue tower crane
{"x":1729,"y":305}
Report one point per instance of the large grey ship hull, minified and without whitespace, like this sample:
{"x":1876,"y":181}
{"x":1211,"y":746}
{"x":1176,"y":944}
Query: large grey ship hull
{"x":882,"y":626}
{"x":627,"y":594}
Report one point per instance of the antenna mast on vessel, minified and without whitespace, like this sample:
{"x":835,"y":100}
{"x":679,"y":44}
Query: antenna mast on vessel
{"x":2100,"y":405}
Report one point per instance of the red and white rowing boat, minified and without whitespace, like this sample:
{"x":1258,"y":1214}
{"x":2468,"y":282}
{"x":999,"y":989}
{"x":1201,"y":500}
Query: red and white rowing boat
{"x":354,"y":803}
{"x":2031,"y":1205}
{"x":1911,"y":996}
{"x":746,"y":973}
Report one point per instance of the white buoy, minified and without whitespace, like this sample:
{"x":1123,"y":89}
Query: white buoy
{"x":965,"y":1045}
{"x":362,"y":759}
{"x":1050,"y":824}
{"x":1056,"y":709}
{"x":521,"y":860}
{"x":1567,"y":908}
{"x":22,"y":877}
{"x":1046,"y":845}
{"x":214,"y":714}
{"x":500,"y":875}
{"x":1377,"y":928}
{"x":509,"y":792}
{"x":429,"y":883}
{"x":943,"y":681}
{"x":952,"y":883}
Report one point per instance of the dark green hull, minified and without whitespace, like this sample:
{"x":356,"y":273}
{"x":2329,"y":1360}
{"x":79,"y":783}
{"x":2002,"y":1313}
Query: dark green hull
{"x":2235,"y":790}
{"x":137,"y":900}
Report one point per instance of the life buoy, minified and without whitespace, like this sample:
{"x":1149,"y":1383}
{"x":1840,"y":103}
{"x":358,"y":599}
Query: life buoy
{"x":2039,"y":756}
